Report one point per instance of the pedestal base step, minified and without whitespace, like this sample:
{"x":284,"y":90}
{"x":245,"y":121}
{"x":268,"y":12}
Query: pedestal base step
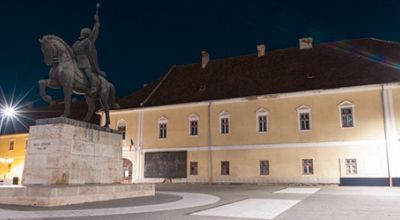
{"x":59,"y":195}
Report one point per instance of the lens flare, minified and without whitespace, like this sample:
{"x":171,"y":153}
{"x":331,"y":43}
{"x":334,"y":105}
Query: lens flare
{"x":9,"y":112}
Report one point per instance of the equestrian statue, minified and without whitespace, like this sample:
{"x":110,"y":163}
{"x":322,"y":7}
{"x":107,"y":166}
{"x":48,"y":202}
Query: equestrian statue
{"x":76,"y":70}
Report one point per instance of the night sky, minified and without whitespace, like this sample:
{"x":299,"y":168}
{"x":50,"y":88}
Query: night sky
{"x":140,"y":40}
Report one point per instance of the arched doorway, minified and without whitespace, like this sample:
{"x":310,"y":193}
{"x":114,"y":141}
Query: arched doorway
{"x":127,"y":169}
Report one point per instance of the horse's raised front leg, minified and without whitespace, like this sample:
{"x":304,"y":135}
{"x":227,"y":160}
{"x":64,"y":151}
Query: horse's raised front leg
{"x":67,"y":101}
{"x":42,"y":90}
{"x":91,"y":107}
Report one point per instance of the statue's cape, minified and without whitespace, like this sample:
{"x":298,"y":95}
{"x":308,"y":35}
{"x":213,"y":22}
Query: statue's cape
{"x":92,"y":55}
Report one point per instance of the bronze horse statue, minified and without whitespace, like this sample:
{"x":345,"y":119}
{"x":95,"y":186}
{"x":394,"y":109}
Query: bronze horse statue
{"x":65,"y":74}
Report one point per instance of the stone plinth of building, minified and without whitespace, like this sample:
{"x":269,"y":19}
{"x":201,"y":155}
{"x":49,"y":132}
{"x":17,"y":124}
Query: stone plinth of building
{"x":71,"y":162}
{"x":66,"y":151}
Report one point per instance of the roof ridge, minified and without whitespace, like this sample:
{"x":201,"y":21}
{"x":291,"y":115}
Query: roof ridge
{"x":158,"y":85}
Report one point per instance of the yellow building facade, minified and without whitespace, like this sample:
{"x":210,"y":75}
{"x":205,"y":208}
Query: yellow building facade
{"x":345,"y":135}
{"x":12,"y":156}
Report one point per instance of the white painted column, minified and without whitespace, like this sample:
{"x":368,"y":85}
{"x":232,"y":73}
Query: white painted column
{"x":138,"y":165}
{"x":391,"y":134}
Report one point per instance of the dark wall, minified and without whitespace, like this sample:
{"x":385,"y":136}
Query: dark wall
{"x":165,"y":164}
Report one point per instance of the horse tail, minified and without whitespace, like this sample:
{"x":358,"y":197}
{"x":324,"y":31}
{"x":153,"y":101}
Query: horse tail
{"x":112,"y":100}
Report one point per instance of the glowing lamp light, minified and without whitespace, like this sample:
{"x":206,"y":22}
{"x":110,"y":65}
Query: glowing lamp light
{"x":9,"y":112}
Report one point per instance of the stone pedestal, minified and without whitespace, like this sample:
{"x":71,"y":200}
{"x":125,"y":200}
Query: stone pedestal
{"x":65,"y":151}
{"x":70,"y":162}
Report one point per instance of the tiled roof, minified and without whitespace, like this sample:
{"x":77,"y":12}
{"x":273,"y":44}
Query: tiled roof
{"x":325,"y":66}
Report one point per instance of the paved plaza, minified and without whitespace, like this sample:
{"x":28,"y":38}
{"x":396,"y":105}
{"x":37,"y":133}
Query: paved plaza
{"x":222,"y":202}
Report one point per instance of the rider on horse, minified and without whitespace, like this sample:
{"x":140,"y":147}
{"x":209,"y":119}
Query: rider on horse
{"x":86,"y":54}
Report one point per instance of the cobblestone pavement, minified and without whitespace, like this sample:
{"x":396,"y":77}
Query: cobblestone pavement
{"x":201,"y":202}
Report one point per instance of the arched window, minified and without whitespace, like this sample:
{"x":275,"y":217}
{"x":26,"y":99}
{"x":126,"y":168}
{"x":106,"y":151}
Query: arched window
{"x":162,"y":127}
{"x":121,"y":127}
{"x":304,"y":116}
{"x":262,"y":120}
{"x":224,"y":124}
{"x":194,"y":125}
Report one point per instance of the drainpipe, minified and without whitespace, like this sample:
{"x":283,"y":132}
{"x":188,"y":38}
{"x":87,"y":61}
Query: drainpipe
{"x":209,"y":142}
{"x":386,"y":128}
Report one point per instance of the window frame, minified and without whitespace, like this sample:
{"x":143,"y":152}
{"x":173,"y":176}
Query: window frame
{"x":262,"y":112}
{"x":346,"y":164}
{"x":162,"y":121}
{"x":343,"y":105}
{"x":302,"y":167}
{"x":13,"y":145}
{"x":304,"y":109}
{"x":194,"y":117}
{"x":224,"y":115}
{"x":268,"y":168}
{"x":196,"y":163}
{"x":229,"y":168}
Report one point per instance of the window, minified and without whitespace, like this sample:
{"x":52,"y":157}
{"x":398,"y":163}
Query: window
{"x":347,"y":117}
{"x":163,"y":130}
{"x":9,"y":166}
{"x":224,"y":167}
{"x":162,"y":127}
{"x":194,"y":128}
{"x":262,"y":120}
{"x":194,"y":125}
{"x":308,"y":166}
{"x":264,"y":167}
{"x":304,"y":114}
{"x":11,"y":146}
{"x":224,"y":123}
{"x":304,"y":121}
{"x":122,"y":129}
{"x":346,"y":110}
{"x":193,"y":168}
{"x":351,"y":166}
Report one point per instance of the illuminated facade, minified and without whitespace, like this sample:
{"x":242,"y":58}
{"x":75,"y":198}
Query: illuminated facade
{"x":324,"y":114}
{"x":12,"y":156}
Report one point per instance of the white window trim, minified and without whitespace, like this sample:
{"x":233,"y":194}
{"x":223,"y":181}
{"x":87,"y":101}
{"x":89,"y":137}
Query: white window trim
{"x":162,"y":120}
{"x":261,"y":112}
{"x":223,"y":115}
{"x":123,"y":122}
{"x":346,"y":104}
{"x":194,"y":117}
{"x":303,"y":109}
{"x":301,"y":166}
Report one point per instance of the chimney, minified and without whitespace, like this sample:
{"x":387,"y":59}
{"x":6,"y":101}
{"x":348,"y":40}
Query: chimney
{"x":205,"y":58}
{"x":261,"y":50}
{"x":305,"y":43}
